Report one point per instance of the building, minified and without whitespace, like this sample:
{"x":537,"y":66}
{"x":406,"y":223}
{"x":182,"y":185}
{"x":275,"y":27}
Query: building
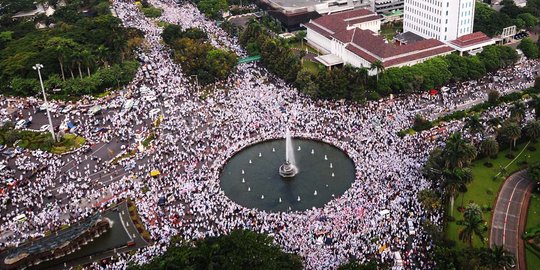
{"x":471,"y":43}
{"x":352,"y":38}
{"x":292,"y":13}
{"x":440,"y":19}
{"x":386,"y":6}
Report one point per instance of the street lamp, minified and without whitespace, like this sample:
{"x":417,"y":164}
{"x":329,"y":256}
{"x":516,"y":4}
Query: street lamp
{"x":38,"y":67}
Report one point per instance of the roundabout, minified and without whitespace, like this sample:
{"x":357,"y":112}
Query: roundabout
{"x":260,"y":176}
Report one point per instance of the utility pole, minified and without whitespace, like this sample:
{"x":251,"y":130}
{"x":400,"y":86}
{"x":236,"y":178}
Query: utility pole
{"x":38,"y":67}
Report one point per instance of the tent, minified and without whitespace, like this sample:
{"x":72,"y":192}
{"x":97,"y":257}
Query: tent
{"x":154,"y":173}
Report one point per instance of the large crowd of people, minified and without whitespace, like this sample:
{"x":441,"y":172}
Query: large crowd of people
{"x":196,"y":137}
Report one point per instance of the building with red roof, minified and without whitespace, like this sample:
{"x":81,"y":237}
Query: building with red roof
{"x":352,"y":38}
{"x":471,"y":43}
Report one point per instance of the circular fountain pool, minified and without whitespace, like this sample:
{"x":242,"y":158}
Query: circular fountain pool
{"x":251,"y":177}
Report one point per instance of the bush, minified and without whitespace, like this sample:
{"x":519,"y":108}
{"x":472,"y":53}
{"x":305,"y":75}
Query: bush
{"x":152,"y":12}
{"x":373,"y":96}
{"x":450,"y":218}
{"x":420,"y":123}
{"x":488,"y":164}
{"x":493,"y":97}
{"x":531,"y":148}
{"x":489,"y":191}
{"x":510,"y":156}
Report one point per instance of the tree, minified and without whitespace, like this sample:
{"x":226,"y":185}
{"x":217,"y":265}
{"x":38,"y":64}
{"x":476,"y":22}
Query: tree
{"x":497,"y":258}
{"x":473,"y":225}
{"x":529,"y":48}
{"x":532,"y":130}
{"x":510,"y":131}
{"x":171,"y":32}
{"x":517,"y":111}
{"x":63,"y":48}
{"x":455,"y":181}
{"x":534,"y":172}
{"x":457,"y":153}
{"x":378,"y":66}
{"x":489,"y":147}
{"x":420,"y":123}
{"x":88,"y":60}
{"x":529,"y":19}
{"x":474,"y":124}
{"x":430,"y":200}
{"x":535,"y":102}
{"x":213,"y":8}
{"x":238,"y":250}
{"x":355,"y":265}
{"x":493,"y":97}
{"x":472,"y":209}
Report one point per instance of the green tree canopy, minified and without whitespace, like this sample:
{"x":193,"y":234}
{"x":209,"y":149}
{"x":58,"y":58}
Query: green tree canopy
{"x":238,"y":250}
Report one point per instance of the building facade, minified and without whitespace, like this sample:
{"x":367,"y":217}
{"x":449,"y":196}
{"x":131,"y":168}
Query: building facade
{"x":352,"y":38}
{"x":386,"y":6}
{"x":444,"y":20}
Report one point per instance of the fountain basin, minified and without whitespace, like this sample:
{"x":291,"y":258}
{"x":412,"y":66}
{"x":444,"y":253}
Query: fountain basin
{"x":313,"y":181}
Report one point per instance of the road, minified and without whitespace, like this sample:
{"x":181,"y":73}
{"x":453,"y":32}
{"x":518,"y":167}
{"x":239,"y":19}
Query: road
{"x":506,"y":229}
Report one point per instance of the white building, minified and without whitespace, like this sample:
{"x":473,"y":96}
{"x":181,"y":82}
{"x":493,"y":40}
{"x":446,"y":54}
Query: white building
{"x":440,"y":19}
{"x":352,"y":38}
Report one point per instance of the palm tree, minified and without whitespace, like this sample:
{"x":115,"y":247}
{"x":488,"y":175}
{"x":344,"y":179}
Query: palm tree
{"x":471,"y":210}
{"x":518,"y":111}
{"x":474,"y":124}
{"x":62,"y":48}
{"x":489,"y":147}
{"x":77,"y":59}
{"x":102,"y":53}
{"x":378,"y":66}
{"x":510,"y":130}
{"x":497,"y":258}
{"x":457,"y":153}
{"x":532,"y":130}
{"x":87,"y":60}
{"x":472,"y":225}
{"x":454,"y":181}
{"x":535,"y":104}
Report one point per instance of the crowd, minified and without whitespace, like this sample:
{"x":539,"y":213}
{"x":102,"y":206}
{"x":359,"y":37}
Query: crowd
{"x":197,"y":136}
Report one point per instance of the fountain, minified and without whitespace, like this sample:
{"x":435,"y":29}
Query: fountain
{"x":288,"y":169}
{"x":261,"y":184}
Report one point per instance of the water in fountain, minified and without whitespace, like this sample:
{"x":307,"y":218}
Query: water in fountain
{"x":289,"y":153}
{"x":288,"y":169}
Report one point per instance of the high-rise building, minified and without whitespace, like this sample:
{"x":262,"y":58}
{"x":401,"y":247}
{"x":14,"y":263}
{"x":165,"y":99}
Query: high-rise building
{"x":444,"y":20}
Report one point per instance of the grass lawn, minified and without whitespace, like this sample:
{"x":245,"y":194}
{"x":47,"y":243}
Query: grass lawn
{"x":39,"y":140}
{"x":298,"y":45}
{"x":68,"y":143}
{"x":533,"y":220}
{"x":388,"y":31}
{"x":483,"y":189}
{"x":311,"y":66}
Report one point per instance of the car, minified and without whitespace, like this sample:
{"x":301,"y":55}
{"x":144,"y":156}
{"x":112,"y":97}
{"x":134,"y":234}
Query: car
{"x":2,"y":147}
{"x":9,"y":153}
{"x":52,"y":107}
{"x":21,"y":124}
{"x":67,"y":109}
{"x":44,"y":128}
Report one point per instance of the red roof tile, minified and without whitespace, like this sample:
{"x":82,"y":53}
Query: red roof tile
{"x":369,"y":45}
{"x":470,"y":39}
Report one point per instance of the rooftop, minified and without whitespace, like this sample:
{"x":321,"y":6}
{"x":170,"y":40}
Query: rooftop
{"x":371,"y":46}
{"x":471,"y":39}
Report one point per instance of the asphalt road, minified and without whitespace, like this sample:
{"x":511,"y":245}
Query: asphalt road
{"x":505,"y":229}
